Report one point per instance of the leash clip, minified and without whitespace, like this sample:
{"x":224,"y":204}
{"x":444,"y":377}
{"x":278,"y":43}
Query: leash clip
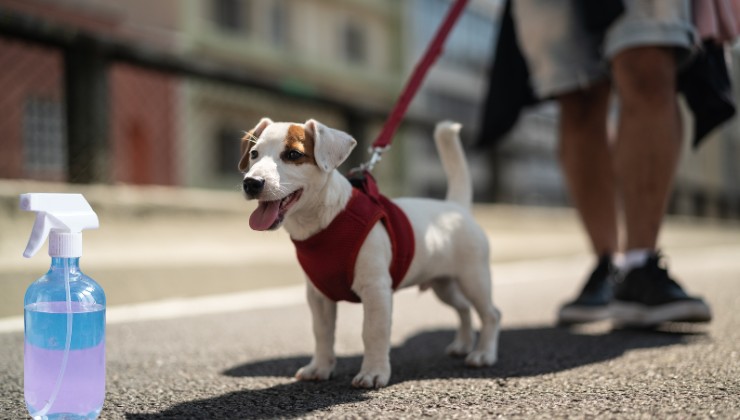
{"x":375,"y":157}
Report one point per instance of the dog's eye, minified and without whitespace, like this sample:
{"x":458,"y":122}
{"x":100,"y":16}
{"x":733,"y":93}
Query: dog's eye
{"x":294,"y":155}
{"x":253,"y":154}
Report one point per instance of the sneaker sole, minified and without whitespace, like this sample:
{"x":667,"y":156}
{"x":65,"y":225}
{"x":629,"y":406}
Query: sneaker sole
{"x":629,"y":314}
{"x":575,"y":315}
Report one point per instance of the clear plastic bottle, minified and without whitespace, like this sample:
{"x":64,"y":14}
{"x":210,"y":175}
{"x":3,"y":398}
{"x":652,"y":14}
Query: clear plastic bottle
{"x":64,"y":373}
{"x":64,"y":312}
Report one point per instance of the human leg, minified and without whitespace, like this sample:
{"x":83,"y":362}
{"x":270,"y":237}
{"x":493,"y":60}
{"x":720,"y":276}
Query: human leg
{"x":565,"y":63}
{"x":587,"y":163}
{"x":646,"y":156}
{"x":648,"y":139}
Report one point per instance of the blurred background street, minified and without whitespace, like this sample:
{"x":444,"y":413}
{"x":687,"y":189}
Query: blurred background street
{"x":140,"y":106}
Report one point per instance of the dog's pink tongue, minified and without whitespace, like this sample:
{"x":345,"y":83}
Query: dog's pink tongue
{"x":265,"y":215}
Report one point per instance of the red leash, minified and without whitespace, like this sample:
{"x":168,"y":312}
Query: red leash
{"x":383,"y":141}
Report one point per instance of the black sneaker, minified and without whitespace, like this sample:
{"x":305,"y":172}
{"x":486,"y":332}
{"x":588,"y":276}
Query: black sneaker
{"x":648,"y":296}
{"x":593,"y":302}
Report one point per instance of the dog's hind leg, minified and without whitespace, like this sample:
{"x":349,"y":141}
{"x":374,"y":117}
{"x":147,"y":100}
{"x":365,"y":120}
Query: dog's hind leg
{"x":449,"y":292}
{"x":324,"y":314}
{"x":475,"y":284}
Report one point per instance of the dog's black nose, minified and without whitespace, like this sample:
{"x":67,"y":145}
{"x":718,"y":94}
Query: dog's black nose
{"x":253,"y":185}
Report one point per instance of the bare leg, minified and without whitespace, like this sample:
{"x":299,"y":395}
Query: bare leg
{"x":648,"y":139}
{"x":647,"y":152}
{"x":587,"y":163}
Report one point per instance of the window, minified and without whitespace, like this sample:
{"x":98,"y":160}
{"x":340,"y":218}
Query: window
{"x":229,"y":14}
{"x":354,"y":43}
{"x":44,"y":151}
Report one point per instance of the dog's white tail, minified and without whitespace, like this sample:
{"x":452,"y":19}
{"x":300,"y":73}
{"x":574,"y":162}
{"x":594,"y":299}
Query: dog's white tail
{"x":449,"y":147}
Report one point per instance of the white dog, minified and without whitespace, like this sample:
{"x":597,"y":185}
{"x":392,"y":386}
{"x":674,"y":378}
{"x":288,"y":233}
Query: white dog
{"x":290,"y":168}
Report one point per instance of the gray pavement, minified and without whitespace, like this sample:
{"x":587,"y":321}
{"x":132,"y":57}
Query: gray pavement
{"x":235,"y":361}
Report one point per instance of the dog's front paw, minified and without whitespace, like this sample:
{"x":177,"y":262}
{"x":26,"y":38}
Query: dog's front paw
{"x":480,"y":358}
{"x":372,"y":378}
{"x":315,"y":372}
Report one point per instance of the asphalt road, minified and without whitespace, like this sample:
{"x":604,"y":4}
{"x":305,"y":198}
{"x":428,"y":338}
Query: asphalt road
{"x":207,"y":320}
{"x":239,"y":364}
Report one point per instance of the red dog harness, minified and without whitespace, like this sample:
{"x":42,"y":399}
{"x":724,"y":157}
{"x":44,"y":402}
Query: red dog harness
{"x":329,"y":256}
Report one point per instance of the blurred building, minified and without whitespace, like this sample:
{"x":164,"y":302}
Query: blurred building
{"x":333,"y":49}
{"x":166,"y":129}
{"x":174,"y":118}
{"x":142,"y":132}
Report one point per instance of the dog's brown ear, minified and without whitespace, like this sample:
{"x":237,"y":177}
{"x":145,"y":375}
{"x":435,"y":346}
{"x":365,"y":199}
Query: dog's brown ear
{"x":331,"y":147}
{"x":250,"y":137}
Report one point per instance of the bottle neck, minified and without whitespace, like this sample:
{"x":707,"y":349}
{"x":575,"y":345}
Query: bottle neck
{"x":60,"y":263}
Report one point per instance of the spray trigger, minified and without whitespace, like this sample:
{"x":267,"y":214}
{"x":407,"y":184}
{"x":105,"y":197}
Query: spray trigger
{"x":61,"y":218}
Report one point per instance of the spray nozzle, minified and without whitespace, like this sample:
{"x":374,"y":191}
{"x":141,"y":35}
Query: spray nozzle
{"x":61,"y":217}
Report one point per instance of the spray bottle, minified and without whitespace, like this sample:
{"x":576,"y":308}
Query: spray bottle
{"x":64,"y":313}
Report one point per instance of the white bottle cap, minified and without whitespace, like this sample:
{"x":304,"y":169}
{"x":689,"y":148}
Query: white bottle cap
{"x":65,"y":244}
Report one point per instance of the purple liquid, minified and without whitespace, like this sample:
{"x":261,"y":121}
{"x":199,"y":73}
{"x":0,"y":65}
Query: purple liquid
{"x":82,"y":388}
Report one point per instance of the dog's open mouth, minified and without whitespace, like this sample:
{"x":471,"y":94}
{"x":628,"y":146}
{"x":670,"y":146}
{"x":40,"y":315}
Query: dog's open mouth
{"x":269,"y":214}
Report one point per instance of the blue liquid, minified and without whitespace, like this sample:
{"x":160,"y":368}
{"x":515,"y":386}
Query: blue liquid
{"x":82,"y":388}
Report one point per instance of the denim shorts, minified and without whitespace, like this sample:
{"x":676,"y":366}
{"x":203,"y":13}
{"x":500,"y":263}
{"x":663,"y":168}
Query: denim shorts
{"x":562,"y":56}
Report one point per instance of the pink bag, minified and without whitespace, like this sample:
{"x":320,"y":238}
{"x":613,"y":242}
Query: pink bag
{"x":718,"y":20}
